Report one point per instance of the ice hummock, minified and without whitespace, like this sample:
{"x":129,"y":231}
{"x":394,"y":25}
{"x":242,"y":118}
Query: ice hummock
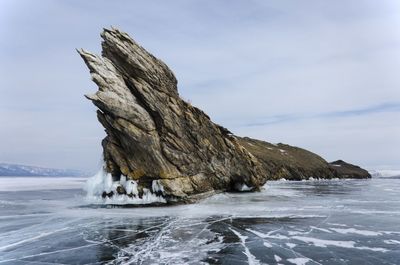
{"x":103,"y":182}
{"x":243,"y":187}
{"x":385,"y":173}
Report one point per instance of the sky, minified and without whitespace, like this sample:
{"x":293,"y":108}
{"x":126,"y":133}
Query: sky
{"x":322,"y":75}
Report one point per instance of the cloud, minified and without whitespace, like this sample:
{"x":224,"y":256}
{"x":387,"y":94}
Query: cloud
{"x":283,"y":71}
{"x":381,"y":108}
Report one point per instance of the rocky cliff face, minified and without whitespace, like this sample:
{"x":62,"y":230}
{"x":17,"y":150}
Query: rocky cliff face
{"x":342,"y":169}
{"x":163,"y":144}
{"x":294,"y":163}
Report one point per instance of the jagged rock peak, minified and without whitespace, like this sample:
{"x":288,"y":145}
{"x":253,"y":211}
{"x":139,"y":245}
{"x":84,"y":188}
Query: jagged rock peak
{"x":152,"y":134}
{"x":159,"y":145}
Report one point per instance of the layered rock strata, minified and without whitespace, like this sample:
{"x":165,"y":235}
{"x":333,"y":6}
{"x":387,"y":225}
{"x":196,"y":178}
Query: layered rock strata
{"x":153,"y":136}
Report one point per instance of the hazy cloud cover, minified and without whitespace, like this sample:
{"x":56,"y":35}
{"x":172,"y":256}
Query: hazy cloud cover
{"x":316,"y":74}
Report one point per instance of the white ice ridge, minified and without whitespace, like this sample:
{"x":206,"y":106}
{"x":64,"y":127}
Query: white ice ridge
{"x":356,"y":231}
{"x":103,"y":182}
{"x":251,"y":259}
{"x":391,"y":242}
{"x":243,"y":187}
{"x":343,"y":244}
{"x":299,"y":261}
{"x":384,"y":173}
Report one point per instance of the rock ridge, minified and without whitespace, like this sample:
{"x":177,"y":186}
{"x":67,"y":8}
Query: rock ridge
{"x":153,"y":136}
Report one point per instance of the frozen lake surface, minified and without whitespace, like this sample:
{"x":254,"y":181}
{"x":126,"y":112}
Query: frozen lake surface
{"x":48,"y":221}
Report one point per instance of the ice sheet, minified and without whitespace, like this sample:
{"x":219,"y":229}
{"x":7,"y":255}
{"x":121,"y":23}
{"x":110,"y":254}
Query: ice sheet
{"x":40,"y":183}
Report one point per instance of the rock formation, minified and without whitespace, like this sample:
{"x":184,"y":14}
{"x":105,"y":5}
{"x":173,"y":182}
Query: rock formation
{"x":294,"y":163}
{"x":165,"y":144}
{"x":342,"y":169}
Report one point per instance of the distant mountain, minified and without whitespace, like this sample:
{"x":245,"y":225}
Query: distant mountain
{"x":27,"y":171}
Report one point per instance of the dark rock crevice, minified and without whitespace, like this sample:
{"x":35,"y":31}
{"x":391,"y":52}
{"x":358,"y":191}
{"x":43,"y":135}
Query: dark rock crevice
{"x":142,"y":102}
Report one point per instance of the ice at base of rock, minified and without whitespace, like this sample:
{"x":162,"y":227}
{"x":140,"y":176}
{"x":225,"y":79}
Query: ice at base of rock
{"x":102,"y":184}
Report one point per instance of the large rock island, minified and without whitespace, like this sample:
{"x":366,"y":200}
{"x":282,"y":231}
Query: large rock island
{"x":158,"y":145}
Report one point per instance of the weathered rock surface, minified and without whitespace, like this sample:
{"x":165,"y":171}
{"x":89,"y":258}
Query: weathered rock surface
{"x":342,"y":169}
{"x":154,"y":135}
{"x":294,"y":163}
